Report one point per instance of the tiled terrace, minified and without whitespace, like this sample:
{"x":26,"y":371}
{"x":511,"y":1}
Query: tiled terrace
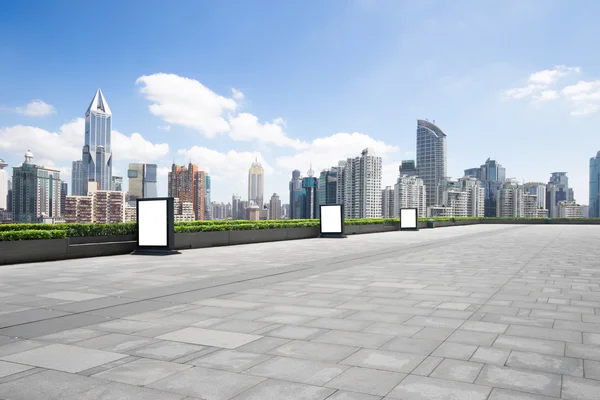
{"x":499,"y":312}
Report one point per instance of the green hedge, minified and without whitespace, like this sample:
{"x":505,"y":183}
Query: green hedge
{"x":32,"y":234}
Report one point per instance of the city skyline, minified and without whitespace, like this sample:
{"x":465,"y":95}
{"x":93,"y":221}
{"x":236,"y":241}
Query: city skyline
{"x":509,"y":103}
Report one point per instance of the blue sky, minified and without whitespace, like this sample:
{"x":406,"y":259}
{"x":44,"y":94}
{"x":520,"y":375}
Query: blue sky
{"x":292,"y":83}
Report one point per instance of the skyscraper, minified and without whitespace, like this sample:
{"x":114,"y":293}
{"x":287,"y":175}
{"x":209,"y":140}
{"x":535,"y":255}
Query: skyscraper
{"x":409,"y":192}
{"x":328,"y":181}
{"x":256,"y":189}
{"x":36,"y":191}
{"x":297,"y":196}
{"x":362,"y":186}
{"x":492,"y":175}
{"x":311,"y":202}
{"x":408,"y":168}
{"x":539,"y":190}
{"x":275,"y":207}
{"x":387,"y":202}
{"x":64,"y":189}
{"x":187,"y":184}
{"x":208,"y":214}
{"x":116,"y":183}
{"x":235,"y":206}
{"x":97,"y":154}
{"x":3,"y":186}
{"x":594,"y":210}
{"x":142,"y":181}
{"x":78,"y":179}
{"x":431,"y":159}
{"x":557,"y":190}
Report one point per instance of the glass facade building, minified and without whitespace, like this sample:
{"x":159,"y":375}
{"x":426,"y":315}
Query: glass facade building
{"x":142,"y":181}
{"x":432,"y":163}
{"x":594,"y":210}
{"x":297,"y":196}
{"x":97,"y":150}
{"x":207,"y":202}
{"x":256,"y":188}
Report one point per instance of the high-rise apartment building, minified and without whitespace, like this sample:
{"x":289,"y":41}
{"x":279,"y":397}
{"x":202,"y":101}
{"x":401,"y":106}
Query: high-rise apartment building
{"x":297,"y":196}
{"x":98,"y":206}
{"x":64,"y":191}
{"x":187,"y":184}
{"x":97,"y":151}
{"x":475,"y":195}
{"x":142,"y":181}
{"x":310,"y":185}
{"x":408,"y":168}
{"x":569,"y":209}
{"x":78,"y":179}
{"x":208,"y":210}
{"x":235,"y":206}
{"x":594,"y":210}
{"x":183,"y":210}
{"x":256,"y":182}
{"x":9,"y":200}
{"x":3,"y":186}
{"x":36,"y":192}
{"x":117,"y":184}
{"x":275,"y":207}
{"x":557,"y":190}
{"x":409,"y":192}
{"x":387,"y":202}
{"x":431,"y":159}
{"x":492,"y":175}
{"x":252,"y":211}
{"x":510,"y":200}
{"x":539,"y":190}
{"x":328,"y":184}
{"x":362,"y":186}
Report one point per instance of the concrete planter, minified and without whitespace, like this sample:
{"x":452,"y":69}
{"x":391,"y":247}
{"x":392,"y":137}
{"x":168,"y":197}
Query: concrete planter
{"x":101,"y":239}
{"x":197,"y":240}
{"x":302,"y":233}
{"x":371,"y":228}
{"x":20,"y":251}
{"x":99,"y":249}
{"x":257,"y":236}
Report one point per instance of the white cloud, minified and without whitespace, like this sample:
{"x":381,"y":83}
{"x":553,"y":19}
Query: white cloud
{"x":166,"y":128}
{"x":67,"y":143}
{"x":187,"y":102}
{"x":547,"y":95}
{"x":328,"y":151}
{"x":585,"y":109}
{"x":539,"y":81}
{"x":228,"y":169}
{"x":585,"y":97}
{"x":519,"y":93}
{"x":36,"y":108}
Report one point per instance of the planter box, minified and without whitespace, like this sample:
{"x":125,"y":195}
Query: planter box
{"x":302,"y":233}
{"x":20,"y":251}
{"x":99,"y":249}
{"x":256,"y":236}
{"x":101,"y":239}
{"x":198,"y":240}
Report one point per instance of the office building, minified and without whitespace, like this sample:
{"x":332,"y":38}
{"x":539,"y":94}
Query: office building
{"x":297,"y":196}
{"x":462,"y":198}
{"x":409,"y":192}
{"x":252,"y":211}
{"x":3,"y":186}
{"x":473,"y":172}
{"x":36,"y":192}
{"x":242,"y":207}
{"x":557,"y":190}
{"x":310,"y":185}
{"x":408,"y":168}
{"x":188,"y":184}
{"x":117,"y":184}
{"x":328,"y":184}
{"x":220,"y":211}
{"x":539,"y":190}
{"x":510,"y":200}
{"x":285,"y":211}
{"x":235,"y":206}
{"x":142,"y":181}
{"x":569,"y":209}
{"x":78,"y":179}
{"x":594,"y":210}
{"x":208,"y":210}
{"x":256,"y":182}
{"x":64,"y":189}
{"x":97,"y":151}
{"x":362,"y":186}
{"x":9,"y":200}
{"x":431,"y":159}
{"x":387,"y":202}
{"x":492,"y":175}
{"x":183,"y":210}
{"x":275,"y":207}
{"x":586,"y":211}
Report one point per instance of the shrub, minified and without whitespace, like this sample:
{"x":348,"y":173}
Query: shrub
{"x":32,"y":234}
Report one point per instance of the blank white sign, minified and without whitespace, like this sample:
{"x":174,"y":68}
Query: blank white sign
{"x":331,"y":219}
{"x":152,"y":223}
{"x":408,"y":218}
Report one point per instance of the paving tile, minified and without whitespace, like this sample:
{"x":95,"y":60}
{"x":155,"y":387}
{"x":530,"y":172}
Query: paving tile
{"x":71,"y":336}
{"x":455,"y":370}
{"x":473,"y":337}
{"x":519,"y":320}
{"x":591,"y":369}
{"x":112,"y":340}
{"x":520,"y":380}
{"x":526,"y":344}
{"x":433,"y":333}
{"x":392,"y":329}
{"x":489,"y":355}
{"x":141,"y":372}
{"x":314,"y":351}
{"x":384,"y":360}
{"x":209,"y":337}
{"x":456,"y":351}
{"x":577,"y":326}
{"x":64,"y":358}
{"x":546,"y":363}
{"x":206,"y":383}
{"x":120,"y":391}
{"x":49,"y":385}
{"x":166,"y":350}
{"x":297,"y":370}
{"x":123,"y":326}
{"x":339,"y":324}
{"x":422,"y":388}
{"x":543,"y":333}
{"x":280,"y":390}
{"x":385,"y":317}
{"x":588,"y":352}
{"x":71,"y":296}
{"x":243,"y":305}
{"x":356,"y":339}
{"x":240,"y":326}
{"x":412,"y":346}
{"x":503,"y":394}
{"x":286,"y":319}
{"x":489,"y":327}
{"x":427,"y":366}
{"x":7,"y":368}
{"x":301,"y":310}
{"x":295,"y":332}
{"x":20,"y":346}
{"x":263,"y":345}
{"x":435,"y":322}
{"x":343,"y":395}
{"x":580,"y":388}
{"x":230,"y":360}
{"x":367,"y":381}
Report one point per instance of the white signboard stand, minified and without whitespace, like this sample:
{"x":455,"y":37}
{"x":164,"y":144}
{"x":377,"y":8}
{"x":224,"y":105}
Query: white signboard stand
{"x":409,"y":219}
{"x":155,"y":226}
{"x":332,"y":221}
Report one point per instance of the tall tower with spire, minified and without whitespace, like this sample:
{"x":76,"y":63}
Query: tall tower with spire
{"x":96,"y":161}
{"x":256,"y":183}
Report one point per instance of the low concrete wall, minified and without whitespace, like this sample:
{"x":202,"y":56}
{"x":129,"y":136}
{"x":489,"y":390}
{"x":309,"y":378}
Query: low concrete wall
{"x":24,"y":251}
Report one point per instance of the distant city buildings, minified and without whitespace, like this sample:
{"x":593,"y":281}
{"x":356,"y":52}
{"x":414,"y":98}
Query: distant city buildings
{"x":183,"y":210}
{"x":361,"y":177}
{"x":569,"y":209}
{"x":408,"y":168}
{"x":256,"y":182}
{"x":188,"y":184}
{"x":275,"y":207}
{"x":387,"y":202}
{"x":539,"y":190}
{"x":557,"y":190}
{"x":594,"y":210}
{"x":208,"y":210}
{"x":431,"y":160}
{"x":297,"y":196}
{"x":36,"y":192}
{"x":492,"y":176}
{"x":310,"y":185}
{"x":510,"y":201}
{"x":328,"y":184}
{"x":252,"y":211}
{"x":78,"y":179}
{"x":97,"y":206}
{"x":409,"y":192}
{"x":142,"y":181}
{"x":116,"y":183}
{"x":3,"y":186}
{"x":64,"y":191}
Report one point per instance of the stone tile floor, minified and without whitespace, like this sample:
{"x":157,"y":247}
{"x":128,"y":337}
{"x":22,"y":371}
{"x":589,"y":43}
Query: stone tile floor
{"x":466,"y":313}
